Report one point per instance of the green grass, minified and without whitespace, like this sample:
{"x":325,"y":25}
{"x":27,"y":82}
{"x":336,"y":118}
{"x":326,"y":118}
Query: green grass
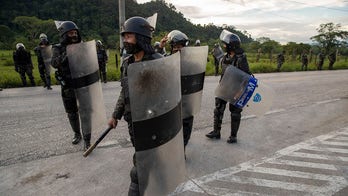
{"x":9,"y":78}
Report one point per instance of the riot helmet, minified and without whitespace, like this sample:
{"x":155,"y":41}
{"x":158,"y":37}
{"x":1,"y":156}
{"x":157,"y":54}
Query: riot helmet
{"x":177,"y":40}
{"x":231,"y":40}
{"x":198,"y":42}
{"x":43,"y":36}
{"x":156,"y":45}
{"x":138,"y":25}
{"x":64,"y":28}
{"x":20,"y":45}
{"x":99,"y":43}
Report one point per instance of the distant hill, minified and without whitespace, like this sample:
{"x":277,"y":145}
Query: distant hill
{"x":99,"y":19}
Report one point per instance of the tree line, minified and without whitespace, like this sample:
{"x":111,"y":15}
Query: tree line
{"x":23,"y":21}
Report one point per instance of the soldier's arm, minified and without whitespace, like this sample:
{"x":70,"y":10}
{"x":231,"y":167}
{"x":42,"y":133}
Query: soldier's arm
{"x":120,"y":106}
{"x":57,"y":57}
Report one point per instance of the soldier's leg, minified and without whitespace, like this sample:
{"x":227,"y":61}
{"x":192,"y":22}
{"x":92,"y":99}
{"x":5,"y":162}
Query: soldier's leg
{"x":70,"y":105}
{"x":29,"y":72}
{"x":48,"y":78}
{"x":187,"y":124}
{"x":235,"y":122}
{"x":42,"y":74}
{"x":23,"y":78}
{"x":134,"y":185}
{"x":103,"y":72}
{"x":220,"y":106}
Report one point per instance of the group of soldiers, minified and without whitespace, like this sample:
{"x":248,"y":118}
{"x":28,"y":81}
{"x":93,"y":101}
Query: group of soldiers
{"x":160,"y":93}
{"x":24,"y":65}
{"x":305,"y":61}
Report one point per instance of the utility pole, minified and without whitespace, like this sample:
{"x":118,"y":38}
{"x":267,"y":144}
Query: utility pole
{"x":122,"y":18}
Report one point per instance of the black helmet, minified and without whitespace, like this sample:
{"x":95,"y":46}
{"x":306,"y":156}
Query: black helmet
{"x":232,"y":41}
{"x":177,"y":37}
{"x":137,"y":25}
{"x":67,"y":26}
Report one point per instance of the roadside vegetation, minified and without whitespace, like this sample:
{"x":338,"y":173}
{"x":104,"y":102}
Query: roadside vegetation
{"x":9,"y":78}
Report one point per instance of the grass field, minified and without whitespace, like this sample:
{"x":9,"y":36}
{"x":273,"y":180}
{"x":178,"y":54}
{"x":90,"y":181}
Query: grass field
{"x":9,"y":78}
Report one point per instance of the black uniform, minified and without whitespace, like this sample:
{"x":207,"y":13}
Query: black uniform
{"x":304,"y":60}
{"x":240,"y":61}
{"x":216,"y":61}
{"x":102,"y":59}
{"x":280,"y":61}
{"x":332,"y":60}
{"x":44,"y":73}
{"x":321,"y":57}
{"x":24,"y":65}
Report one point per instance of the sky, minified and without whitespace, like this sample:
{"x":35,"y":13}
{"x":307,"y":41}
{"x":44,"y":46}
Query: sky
{"x":280,"y":20}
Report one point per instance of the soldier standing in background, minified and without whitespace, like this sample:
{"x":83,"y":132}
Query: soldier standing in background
{"x":332,"y":59}
{"x":23,"y":64}
{"x":102,"y":60}
{"x":280,"y":60}
{"x":321,"y":57}
{"x":216,"y":61}
{"x":304,"y":60}
{"x":44,"y":70}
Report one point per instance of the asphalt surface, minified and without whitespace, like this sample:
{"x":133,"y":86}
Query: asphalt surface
{"x":300,"y":147}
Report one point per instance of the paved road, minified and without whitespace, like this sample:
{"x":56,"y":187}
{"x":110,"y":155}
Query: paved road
{"x":301,"y":143}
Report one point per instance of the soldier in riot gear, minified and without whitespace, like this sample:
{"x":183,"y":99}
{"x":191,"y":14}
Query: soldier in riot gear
{"x":69,"y":34}
{"x":177,"y":41}
{"x":216,"y":61}
{"x":23,"y":64}
{"x":332,"y":59}
{"x":234,"y":56}
{"x":198,"y":42}
{"x":137,"y":35}
{"x":321,"y":57}
{"x":102,"y":60}
{"x":304,"y":60}
{"x":43,"y":69}
{"x":280,"y":60}
{"x":158,"y":49}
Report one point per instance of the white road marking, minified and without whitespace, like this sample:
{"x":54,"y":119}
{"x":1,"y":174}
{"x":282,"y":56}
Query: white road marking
{"x":333,"y":183}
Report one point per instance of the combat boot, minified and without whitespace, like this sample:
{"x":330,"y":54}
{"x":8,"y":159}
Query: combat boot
{"x":76,"y":139}
{"x":235,"y":122}
{"x":214,"y":134}
{"x":75,"y":125}
{"x":87,"y":139}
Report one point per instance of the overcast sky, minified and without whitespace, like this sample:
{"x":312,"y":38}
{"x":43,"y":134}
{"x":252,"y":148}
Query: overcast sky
{"x":280,"y":20}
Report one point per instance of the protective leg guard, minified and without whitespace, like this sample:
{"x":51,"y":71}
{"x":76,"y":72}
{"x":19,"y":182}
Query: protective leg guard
{"x":235,"y":122}
{"x":48,"y":82}
{"x":75,"y":125}
{"x":220,"y":106}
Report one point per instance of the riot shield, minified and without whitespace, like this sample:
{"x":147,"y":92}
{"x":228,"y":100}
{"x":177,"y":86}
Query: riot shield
{"x":84,"y":70}
{"x":218,"y":53}
{"x":193,"y":61}
{"x":261,"y":100}
{"x":232,"y":85}
{"x":238,"y":87}
{"x":155,"y":99}
{"x":46,"y":53}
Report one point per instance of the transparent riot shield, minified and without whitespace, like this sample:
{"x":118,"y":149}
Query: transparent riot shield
{"x":155,"y":99}
{"x":46,"y":53}
{"x":238,"y":88}
{"x":261,"y":100}
{"x":193,"y":61}
{"x":218,"y":53}
{"x":84,"y":70}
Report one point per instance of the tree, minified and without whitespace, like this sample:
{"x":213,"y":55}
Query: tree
{"x":330,"y":36}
